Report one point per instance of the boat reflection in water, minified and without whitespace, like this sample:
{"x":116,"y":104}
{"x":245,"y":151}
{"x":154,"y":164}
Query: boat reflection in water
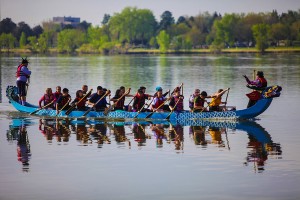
{"x":206,"y":134}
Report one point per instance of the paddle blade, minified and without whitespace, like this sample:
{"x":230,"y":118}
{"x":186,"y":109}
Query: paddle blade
{"x":148,"y":116}
{"x":110,"y":108}
{"x":70,"y":109}
{"x":37,"y":110}
{"x":87,"y":112}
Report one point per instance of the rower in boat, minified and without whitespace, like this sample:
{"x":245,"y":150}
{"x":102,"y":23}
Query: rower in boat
{"x":217,"y":100}
{"x":84,"y":89}
{"x":63,"y":101}
{"x":139,"y":100}
{"x":192,"y":98}
{"x":199,"y":102}
{"x":47,"y":99}
{"x":120,"y":102}
{"x":101,"y":105}
{"x":57,"y":93}
{"x":176,"y":102}
{"x":259,"y":84}
{"x":80,"y":105}
{"x":158,"y":100}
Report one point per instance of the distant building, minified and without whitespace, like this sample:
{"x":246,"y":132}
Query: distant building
{"x":63,"y":21}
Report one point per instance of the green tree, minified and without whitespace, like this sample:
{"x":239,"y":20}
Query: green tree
{"x":167,"y":20}
{"x":106,"y":19}
{"x":132,"y":25}
{"x":7,"y":41}
{"x":279,"y":32}
{"x":163,"y":40}
{"x":23,"y":40}
{"x":261,"y":36}
{"x":43,"y":42}
{"x":70,"y":39}
{"x":33,"y":43}
{"x":226,"y":29}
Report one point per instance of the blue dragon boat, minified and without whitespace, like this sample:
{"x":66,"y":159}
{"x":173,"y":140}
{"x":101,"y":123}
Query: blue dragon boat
{"x":262,"y":104}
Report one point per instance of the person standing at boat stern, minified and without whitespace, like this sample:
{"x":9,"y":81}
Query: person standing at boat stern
{"x":23,"y":75}
{"x":259,"y":84}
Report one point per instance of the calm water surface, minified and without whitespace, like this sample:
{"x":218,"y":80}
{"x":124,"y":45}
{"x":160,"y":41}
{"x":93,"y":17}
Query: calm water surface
{"x":54,"y":159}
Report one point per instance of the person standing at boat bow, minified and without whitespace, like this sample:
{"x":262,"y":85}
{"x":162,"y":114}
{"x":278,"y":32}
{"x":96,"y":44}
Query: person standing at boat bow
{"x":259,"y":84}
{"x":23,"y":75}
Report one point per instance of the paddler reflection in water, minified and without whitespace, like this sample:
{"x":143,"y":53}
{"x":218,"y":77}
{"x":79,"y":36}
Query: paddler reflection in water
{"x":23,"y":148}
{"x":216,"y":137}
{"x":159,"y":133}
{"x":198,"y":135}
{"x":176,"y":135}
{"x":139,"y":134}
{"x":98,"y":132}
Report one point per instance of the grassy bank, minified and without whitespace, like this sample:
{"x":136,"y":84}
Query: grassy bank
{"x":157,"y":51}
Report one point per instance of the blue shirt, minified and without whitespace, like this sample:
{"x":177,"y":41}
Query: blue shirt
{"x":95,"y":97}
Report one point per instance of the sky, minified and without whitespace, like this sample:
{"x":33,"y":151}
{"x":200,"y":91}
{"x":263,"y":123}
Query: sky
{"x":34,"y":12}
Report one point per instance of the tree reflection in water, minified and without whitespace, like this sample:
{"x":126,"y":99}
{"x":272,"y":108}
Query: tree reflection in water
{"x":203,"y":134}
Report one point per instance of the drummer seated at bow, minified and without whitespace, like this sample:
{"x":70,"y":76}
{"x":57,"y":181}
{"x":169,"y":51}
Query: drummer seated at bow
{"x":63,"y":101}
{"x":217,"y":101}
{"x":80,"y":104}
{"x":176,"y":102}
{"x":101,"y":105}
{"x":119,"y":99}
{"x":47,"y":99}
{"x":158,"y":103}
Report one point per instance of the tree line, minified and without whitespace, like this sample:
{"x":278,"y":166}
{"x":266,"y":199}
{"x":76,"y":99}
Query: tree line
{"x":138,"y":28}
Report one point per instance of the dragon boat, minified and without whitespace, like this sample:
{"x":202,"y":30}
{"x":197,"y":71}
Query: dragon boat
{"x":265,"y":100}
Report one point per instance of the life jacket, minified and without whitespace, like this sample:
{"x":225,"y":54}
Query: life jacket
{"x":199,"y":101}
{"x":80,"y":104}
{"x":179,"y":105}
{"x":159,"y":102}
{"x":120,"y":103}
{"x":191,"y":101}
{"x":216,"y":101}
{"x":57,"y":95}
{"x":263,"y":82}
{"x":139,"y":101}
{"x":20,"y":72}
{"x":48,"y":99}
{"x":64,"y":100}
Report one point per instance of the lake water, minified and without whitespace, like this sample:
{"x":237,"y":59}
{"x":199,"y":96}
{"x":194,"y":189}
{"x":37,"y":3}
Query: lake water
{"x":54,"y":159}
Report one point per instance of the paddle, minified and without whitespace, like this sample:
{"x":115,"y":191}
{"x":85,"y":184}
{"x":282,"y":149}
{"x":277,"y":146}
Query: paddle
{"x":142,"y":109}
{"x":131,"y":101}
{"x":158,"y":107}
{"x":75,"y":104}
{"x":63,"y":107}
{"x":168,"y":117}
{"x":45,"y":106}
{"x":226,"y":98}
{"x":91,"y":108}
{"x":116,"y":102}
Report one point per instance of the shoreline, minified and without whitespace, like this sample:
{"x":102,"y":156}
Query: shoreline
{"x":157,"y":51}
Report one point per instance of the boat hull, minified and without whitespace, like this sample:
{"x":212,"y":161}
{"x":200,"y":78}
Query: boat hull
{"x":251,"y":112}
